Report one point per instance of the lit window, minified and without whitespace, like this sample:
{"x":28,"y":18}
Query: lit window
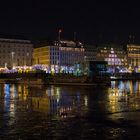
{"x":112,"y":63}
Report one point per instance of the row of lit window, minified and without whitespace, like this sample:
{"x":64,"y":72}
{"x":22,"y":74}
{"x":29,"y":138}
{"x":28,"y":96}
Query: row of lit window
{"x":112,"y":59}
{"x":134,"y":49}
{"x":65,"y":53}
{"x":54,"y":48}
{"x":112,"y":51}
{"x":10,"y":62}
{"x":54,"y":62}
{"x":71,"y":49}
{"x":54,"y":53}
{"x":114,"y":63}
{"x":16,"y":51}
{"x":112,"y":55}
{"x":54,"y":58}
{"x":14,"y":56}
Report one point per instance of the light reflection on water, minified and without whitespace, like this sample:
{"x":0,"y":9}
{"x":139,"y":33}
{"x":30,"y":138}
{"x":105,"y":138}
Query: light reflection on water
{"x":24,"y":107}
{"x":124,"y":95}
{"x":52,"y":100}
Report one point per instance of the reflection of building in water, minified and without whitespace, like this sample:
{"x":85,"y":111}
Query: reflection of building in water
{"x":86,"y":101}
{"x":52,"y":101}
{"x":23,"y":92}
{"x":7,"y":96}
{"x":10,"y":91}
{"x":115,"y":97}
{"x":126,"y":86}
{"x":1,"y":91}
{"x":40,"y":104}
{"x":138,"y":87}
{"x":131,"y":87}
{"x":49,"y":105}
{"x":125,"y":96}
{"x":55,"y":103}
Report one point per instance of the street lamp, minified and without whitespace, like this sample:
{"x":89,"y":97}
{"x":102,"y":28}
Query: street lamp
{"x":27,"y":56}
{"x":12,"y":54}
{"x":59,"y":34}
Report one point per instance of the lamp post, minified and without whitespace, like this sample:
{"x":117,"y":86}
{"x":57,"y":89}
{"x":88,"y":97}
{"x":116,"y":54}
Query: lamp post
{"x":59,"y":33}
{"x":27,"y":56}
{"x":12,"y":54}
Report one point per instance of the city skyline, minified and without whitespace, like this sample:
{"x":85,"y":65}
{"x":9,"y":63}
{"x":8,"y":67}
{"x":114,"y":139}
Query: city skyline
{"x":69,"y":69}
{"x":93,"y":21}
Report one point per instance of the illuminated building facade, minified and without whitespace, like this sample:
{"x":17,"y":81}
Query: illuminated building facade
{"x":133,"y":52}
{"x":115,"y":55}
{"x":63,"y":53}
{"x":15,"y":52}
{"x":41,"y":55}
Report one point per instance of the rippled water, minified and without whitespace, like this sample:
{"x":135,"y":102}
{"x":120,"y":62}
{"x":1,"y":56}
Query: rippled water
{"x":70,"y":112}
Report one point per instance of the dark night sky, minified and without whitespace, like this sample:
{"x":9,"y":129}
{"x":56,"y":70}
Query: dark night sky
{"x":93,"y":20}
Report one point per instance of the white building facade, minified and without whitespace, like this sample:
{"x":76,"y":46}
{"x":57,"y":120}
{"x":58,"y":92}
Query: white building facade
{"x":60,"y":55}
{"x":15,"y":52}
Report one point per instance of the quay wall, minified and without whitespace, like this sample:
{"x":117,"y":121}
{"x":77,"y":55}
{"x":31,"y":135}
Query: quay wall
{"x":42,"y":78}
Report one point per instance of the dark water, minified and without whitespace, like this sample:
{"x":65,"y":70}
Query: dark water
{"x":70,"y":112}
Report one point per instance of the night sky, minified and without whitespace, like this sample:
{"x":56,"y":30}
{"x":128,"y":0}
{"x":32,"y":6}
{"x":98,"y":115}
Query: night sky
{"x":93,"y":20}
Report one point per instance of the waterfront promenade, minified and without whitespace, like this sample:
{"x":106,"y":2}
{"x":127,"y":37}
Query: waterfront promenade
{"x":125,"y":76}
{"x":64,"y":79}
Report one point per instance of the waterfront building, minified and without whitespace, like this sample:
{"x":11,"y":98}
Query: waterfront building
{"x":90,"y":53}
{"x":41,"y":55}
{"x":15,"y":52}
{"x":115,"y":55}
{"x":59,"y":54}
{"x":133,"y":52}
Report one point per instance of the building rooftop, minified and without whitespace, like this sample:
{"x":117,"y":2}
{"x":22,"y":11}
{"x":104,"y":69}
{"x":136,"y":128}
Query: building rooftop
{"x":14,"y":40}
{"x":62,"y":43}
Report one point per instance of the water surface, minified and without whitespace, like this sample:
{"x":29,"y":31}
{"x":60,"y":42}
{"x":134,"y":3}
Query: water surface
{"x":70,"y":112}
